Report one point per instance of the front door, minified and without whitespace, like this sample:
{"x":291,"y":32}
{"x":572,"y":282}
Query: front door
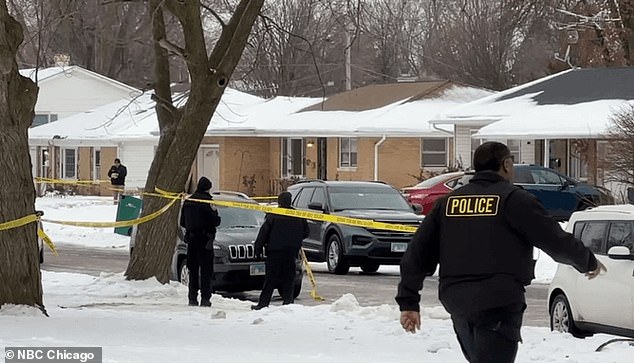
{"x":208,"y":164}
{"x":292,"y":158}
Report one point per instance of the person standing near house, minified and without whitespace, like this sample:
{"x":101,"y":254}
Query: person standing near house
{"x":117,"y":174}
{"x":282,"y":237}
{"x":482,"y":235}
{"x":200,"y":220}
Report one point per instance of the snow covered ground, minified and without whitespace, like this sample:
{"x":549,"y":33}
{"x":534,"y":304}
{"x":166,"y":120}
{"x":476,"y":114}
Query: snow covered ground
{"x":144,"y":321}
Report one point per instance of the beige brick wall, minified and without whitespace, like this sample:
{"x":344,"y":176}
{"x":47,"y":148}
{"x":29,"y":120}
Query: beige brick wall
{"x":245,"y":157}
{"x":398,"y":158}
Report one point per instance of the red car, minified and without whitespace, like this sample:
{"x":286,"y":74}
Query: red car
{"x":426,"y":192}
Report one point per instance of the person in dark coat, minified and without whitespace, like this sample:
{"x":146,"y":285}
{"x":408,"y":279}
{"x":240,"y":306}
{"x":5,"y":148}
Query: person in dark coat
{"x":200,"y":220}
{"x":482,"y":235}
{"x":281,"y":237}
{"x":117,"y":174}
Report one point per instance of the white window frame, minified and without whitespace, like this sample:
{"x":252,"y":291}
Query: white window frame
{"x":287,"y":158}
{"x":96,"y":168}
{"x":433,"y":152}
{"x":353,"y":148}
{"x":63,"y":163}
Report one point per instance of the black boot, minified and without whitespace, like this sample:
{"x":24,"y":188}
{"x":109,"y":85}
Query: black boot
{"x":193,"y":303}
{"x":206,"y":303}
{"x":258,"y":307}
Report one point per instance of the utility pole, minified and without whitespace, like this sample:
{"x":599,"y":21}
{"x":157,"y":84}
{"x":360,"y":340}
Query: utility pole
{"x":347,"y":59}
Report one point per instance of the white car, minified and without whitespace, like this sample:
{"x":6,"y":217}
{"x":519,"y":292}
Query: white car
{"x":605,"y":304}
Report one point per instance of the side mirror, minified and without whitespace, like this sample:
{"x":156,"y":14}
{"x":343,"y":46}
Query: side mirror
{"x":316,"y":206}
{"x":620,"y":253}
{"x":418,"y":209}
{"x":567,"y":183}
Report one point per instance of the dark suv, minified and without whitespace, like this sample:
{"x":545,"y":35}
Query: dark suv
{"x":342,"y":246}
{"x":236,"y":268}
{"x":559,"y":194}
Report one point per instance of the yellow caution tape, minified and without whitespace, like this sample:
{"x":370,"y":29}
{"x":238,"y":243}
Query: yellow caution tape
{"x":67,"y":181}
{"x":311,"y":277}
{"x":47,"y":240}
{"x":366,"y":223}
{"x":127,"y":223}
{"x":18,"y":222}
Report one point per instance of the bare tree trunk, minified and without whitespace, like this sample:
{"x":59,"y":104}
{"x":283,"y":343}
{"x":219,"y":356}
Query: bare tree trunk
{"x":20,"y":280}
{"x":182,"y":129}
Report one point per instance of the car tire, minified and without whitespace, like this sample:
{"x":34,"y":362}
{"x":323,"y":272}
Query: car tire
{"x":561,"y":319}
{"x":370,"y":267}
{"x":335,"y":259}
{"x":183,"y":272}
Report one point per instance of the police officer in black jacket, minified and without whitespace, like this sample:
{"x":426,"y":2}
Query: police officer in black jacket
{"x":483,"y":235}
{"x":200,"y":220}
{"x":282,"y":237}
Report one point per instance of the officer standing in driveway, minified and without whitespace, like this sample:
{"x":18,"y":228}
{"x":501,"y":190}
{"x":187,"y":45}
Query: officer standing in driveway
{"x":281,"y":236}
{"x":200,"y":220}
{"x":483,"y":235}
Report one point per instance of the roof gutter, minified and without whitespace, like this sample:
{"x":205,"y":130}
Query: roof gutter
{"x":376,"y":156}
{"x":435,"y":126}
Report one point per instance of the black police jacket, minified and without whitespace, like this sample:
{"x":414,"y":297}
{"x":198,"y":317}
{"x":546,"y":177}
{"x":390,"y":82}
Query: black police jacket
{"x":281,"y":233}
{"x":200,"y":220}
{"x":482,"y":235}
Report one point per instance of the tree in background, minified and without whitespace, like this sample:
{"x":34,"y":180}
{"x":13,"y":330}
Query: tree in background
{"x":619,"y":156}
{"x":20,"y":279}
{"x":182,"y":127}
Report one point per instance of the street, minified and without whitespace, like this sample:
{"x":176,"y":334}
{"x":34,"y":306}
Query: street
{"x":369,"y":289}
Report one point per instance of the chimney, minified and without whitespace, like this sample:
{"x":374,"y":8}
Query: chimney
{"x":61,"y":60}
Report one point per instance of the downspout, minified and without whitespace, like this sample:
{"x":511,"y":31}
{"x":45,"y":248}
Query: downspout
{"x":376,"y":156}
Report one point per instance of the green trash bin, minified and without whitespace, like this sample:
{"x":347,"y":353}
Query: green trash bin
{"x":129,"y":208}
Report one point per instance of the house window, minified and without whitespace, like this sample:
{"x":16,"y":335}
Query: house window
{"x":347,"y":152}
{"x":292,"y":157}
{"x":434,"y":152}
{"x":43,"y":118}
{"x":97,"y":164}
{"x":69,"y":165}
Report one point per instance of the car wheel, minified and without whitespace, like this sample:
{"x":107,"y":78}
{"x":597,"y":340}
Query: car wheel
{"x":335,"y":259}
{"x":370,"y":267}
{"x":183,"y":272}
{"x":561,"y":317}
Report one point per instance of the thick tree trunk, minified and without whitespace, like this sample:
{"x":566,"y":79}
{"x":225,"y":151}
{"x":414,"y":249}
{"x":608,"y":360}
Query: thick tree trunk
{"x":182,"y":130}
{"x":20,"y":280}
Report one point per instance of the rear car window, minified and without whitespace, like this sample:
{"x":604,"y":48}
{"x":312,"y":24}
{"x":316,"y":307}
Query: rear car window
{"x":592,"y":234}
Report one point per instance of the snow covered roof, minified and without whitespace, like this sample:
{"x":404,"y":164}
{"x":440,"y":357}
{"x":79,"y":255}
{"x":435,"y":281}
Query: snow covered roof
{"x":41,"y":75}
{"x":401,"y":118}
{"x":242,"y":114}
{"x":102,"y":126}
{"x":576,"y":103}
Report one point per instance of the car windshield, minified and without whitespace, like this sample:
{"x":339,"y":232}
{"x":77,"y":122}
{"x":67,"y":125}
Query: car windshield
{"x":428,"y":183}
{"x":355,"y":197}
{"x":239,"y":218}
